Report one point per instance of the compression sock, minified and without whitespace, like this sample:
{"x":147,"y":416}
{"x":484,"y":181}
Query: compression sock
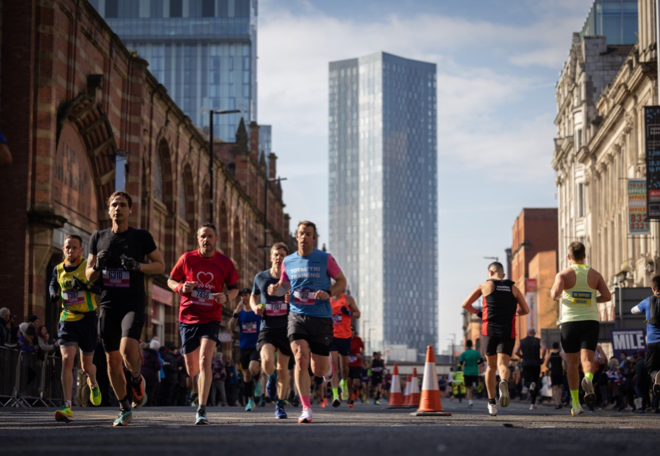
{"x":280,"y":403}
{"x":125,"y":403}
{"x":306,"y":403}
{"x":492,"y":401}
{"x":201,"y":408}
{"x":590,"y":376}
{"x":575,"y":397}
{"x":335,"y":393}
{"x":249,"y":389}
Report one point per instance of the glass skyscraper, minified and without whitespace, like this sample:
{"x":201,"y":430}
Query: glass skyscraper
{"x":383,"y":195}
{"x":615,"y":19}
{"x":203,"y":51}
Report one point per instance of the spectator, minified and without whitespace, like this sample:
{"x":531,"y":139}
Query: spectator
{"x":47,"y":344}
{"x":34,"y":321}
{"x":614,"y":386}
{"x":151,"y":370}
{"x":26,"y":340}
{"x":627,"y":369}
{"x":171,"y":376}
{"x":642,"y":381}
{"x":181,"y":390}
{"x":218,"y":393}
{"x":231,"y":382}
{"x":5,"y":318}
{"x":5,"y":154}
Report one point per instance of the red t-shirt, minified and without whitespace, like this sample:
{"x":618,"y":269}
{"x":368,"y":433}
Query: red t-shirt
{"x":211,"y":274}
{"x":355,"y":359}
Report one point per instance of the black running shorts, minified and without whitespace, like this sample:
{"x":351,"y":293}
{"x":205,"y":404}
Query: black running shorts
{"x":317,"y":331}
{"x":115,"y":324}
{"x":247,"y":356}
{"x":495,"y":344}
{"x":193,"y":333}
{"x":277,"y":338}
{"x":82,"y":333}
{"x":579,"y":335}
{"x":343,"y":346}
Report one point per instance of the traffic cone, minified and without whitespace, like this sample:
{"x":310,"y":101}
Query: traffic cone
{"x":429,"y":403}
{"x":414,"y":390}
{"x":406,"y":392}
{"x":396,"y":399}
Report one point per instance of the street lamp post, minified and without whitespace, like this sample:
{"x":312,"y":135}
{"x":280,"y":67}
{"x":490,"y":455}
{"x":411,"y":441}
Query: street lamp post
{"x":212,"y":154}
{"x":453,"y":342}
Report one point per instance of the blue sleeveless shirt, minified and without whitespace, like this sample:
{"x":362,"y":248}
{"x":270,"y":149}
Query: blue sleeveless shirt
{"x":308,"y":274}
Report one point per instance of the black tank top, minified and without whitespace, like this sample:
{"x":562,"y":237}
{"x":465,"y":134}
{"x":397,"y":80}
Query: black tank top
{"x":499,"y":311}
{"x":531,"y":350}
{"x":556,"y":365}
{"x":377,"y":367}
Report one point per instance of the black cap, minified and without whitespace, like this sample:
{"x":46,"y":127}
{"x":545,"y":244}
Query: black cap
{"x":33,"y":318}
{"x":244,"y":291}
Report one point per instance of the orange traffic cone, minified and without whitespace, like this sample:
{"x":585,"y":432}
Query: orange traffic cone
{"x":406,"y":392}
{"x":414,"y":390}
{"x":396,"y":399}
{"x":429,"y":403}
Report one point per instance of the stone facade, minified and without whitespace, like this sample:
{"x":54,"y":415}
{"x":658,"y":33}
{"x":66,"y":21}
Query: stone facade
{"x":601,"y":97}
{"x":72,"y":95}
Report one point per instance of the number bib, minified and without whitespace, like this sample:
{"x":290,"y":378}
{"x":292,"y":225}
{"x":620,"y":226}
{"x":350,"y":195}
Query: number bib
{"x":202,"y":297}
{"x":352,"y":359}
{"x":116,"y":277}
{"x":73,"y":297}
{"x":276,"y":309}
{"x":337,"y":319}
{"x":304,"y":297}
{"x":376,"y":370}
{"x":249,"y":327}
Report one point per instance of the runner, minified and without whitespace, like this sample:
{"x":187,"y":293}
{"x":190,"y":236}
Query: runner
{"x":344,"y":309}
{"x":377,"y":369}
{"x":117,"y":255}
{"x":556,"y":363}
{"x":577,"y":286}
{"x":651,"y":308}
{"x":248,"y":327}
{"x":200,"y":277}
{"x":502,"y":302}
{"x":274,"y":313}
{"x":531,"y":350}
{"x":78,"y":326}
{"x":307,"y":274}
{"x":470,"y":360}
{"x":355,"y":366}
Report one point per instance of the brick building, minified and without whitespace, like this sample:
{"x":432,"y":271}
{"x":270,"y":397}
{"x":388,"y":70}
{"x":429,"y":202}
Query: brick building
{"x":71,"y":96}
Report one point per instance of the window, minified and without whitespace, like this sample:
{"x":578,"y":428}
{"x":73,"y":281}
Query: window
{"x":176,"y":8}
{"x":208,"y":8}
{"x":580,"y":200}
{"x":578,"y":141}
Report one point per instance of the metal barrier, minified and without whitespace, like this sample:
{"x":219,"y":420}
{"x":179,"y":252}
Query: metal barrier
{"x":26,"y":380}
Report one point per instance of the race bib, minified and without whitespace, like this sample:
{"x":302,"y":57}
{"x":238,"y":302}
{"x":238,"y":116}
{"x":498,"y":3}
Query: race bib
{"x":249,"y":327}
{"x":202,"y":297}
{"x":376,"y":370}
{"x":73,"y":297}
{"x":352,"y":359}
{"x":304,"y":297}
{"x":337,"y":319}
{"x":116,"y":277}
{"x":276,"y":309}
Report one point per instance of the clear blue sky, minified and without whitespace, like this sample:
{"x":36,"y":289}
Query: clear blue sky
{"x":498,"y":62}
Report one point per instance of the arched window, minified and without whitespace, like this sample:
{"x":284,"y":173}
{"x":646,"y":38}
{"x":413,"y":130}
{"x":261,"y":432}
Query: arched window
{"x":158,"y":177}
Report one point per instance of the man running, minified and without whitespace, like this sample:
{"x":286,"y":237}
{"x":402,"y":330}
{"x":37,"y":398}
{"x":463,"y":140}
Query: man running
{"x":377,"y":370}
{"x":274,"y":313}
{"x":355,"y":367}
{"x":556,"y":363}
{"x":248,"y":328}
{"x":651,"y":308}
{"x":470,"y":360}
{"x":117,"y":255}
{"x":577,"y":286}
{"x":344,"y":309}
{"x":200,"y":277}
{"x":532,"y":351}
{"x":78,"y":326}
{"x":308,"y":273}
{"x":502,"y":302}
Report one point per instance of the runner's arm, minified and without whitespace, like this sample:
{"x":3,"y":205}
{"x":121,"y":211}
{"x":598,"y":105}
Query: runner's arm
{"x":605,"y":295}
{"x":557,"y":287}
{"x":339,"y":286}
{"x":91,"y":274}
{"x":634,"y":310}
{"x":467,"y":304}
{"x":255,"y":304}
{"x":517,"y":351}
{"x":156,"y":264}
{"x":523,"y":308}
{"x":353,"y":306}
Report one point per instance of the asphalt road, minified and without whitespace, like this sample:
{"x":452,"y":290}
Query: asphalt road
{"x":363,"y":430}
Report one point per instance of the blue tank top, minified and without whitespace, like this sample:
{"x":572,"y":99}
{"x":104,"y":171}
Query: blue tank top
{"x":308,"y":274}
{"x":249,"y":324}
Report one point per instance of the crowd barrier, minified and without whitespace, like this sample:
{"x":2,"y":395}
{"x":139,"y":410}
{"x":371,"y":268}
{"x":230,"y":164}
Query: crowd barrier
{"x":27,"y":381}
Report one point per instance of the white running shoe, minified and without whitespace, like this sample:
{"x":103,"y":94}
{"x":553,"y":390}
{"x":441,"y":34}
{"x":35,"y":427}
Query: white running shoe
{"x":492,"y":409}
{"x":656,"y":384}
{"x":328,"y":375}
{"x":532,"y":407}
{"x":306,"y":416}
{"x":532,"y":386}
{"x":589,"y":394}
{"x":576,"y":410}
{"x":504,"y":393}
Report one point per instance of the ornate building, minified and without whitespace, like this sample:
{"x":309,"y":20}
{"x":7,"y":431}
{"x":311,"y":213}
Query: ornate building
{"x":72,"y":97}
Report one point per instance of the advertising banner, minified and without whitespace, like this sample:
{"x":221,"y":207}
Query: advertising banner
{"x":628,"y":340}
{"x":638,"y":222}
{"x":652,"y":137}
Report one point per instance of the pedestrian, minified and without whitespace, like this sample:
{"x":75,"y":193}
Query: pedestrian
{"x":150,"y":370}
{"x":642,"y":381}
{"x":218,"y":394}
{"x":170,"y":376}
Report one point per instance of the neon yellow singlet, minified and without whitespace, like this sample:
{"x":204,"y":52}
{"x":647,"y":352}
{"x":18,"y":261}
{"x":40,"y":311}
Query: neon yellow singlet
{"x":579,"y":303}
{"x":74,"y":302}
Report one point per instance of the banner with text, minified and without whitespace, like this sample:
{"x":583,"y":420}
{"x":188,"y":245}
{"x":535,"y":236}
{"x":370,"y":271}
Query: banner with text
{"x":638,"y":222}
{"x":628,"y":340}
{"x":652,"y":137}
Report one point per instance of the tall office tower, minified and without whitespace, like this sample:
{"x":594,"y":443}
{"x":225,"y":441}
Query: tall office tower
{"x":615,"y":19}
{"x":203,"y":51}
{"x":383,"y":195}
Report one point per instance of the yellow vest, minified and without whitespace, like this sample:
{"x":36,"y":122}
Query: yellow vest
{"x":579,"y":303}
{"x":74,"y":302}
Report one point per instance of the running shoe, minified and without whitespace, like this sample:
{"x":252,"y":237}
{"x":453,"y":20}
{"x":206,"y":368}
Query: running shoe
{"x":504,"y":393}
{"x":257,"y":389}
{"x":64,"y":414}
{"x":331,"y":373}
{"x":280,"y":414}
{"x":589,"y":394}
{"x":200,"y":418}
{"x":324,"y":402}
{"x":125,"y":417}
{"x":492,"y":409}
{"x":271,"y":386}
{"x":139,"y":395}
{"x":532,"y":407}
{"x":94,"y":394}
{"x":470,"y":404}
{"x":656,"y":384}
{"x":344,"y":390}
{"x":351,"y":404}
{"x":377,"y":402}
{"x":295,"y":401}
{"x":306,"y":416}
{"x":250,"y":405}
{"x":576,"y":410}
{"x":336,"y":402}
{"x":262,"y":401}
